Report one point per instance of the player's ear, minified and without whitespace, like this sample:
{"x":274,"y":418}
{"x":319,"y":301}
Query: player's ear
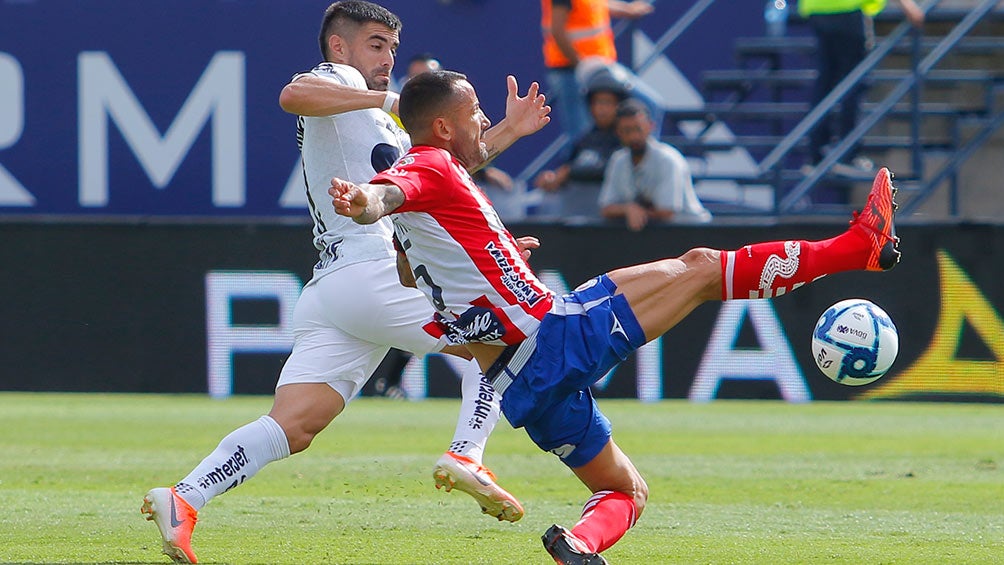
{"x":442,"y":128}
{"x":336,"y":47}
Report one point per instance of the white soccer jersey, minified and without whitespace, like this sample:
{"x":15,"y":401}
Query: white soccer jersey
{"x":464,"y":259}
{"x":354,"y":146}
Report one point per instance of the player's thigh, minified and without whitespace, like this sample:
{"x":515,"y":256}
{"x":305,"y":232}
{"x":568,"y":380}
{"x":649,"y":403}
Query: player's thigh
{"x":368,"y":301}
{"x":663,"y":292}
{"x":324,"y":353}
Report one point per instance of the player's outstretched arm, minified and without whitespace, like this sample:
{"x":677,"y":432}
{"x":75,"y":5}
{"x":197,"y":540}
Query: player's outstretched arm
{"x":364,"y":203}
{"x":523,"y":115}
{"x":313,"y":96}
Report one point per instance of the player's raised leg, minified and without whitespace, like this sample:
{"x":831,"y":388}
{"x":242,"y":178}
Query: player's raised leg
{"x":664,"y":292}
{"x":461,"y":466}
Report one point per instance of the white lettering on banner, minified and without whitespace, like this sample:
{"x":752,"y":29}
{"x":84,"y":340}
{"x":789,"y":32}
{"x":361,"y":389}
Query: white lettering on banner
{"x":223,"y":338}
{"x":12,"y":192}
{"x":104,"y":94}
{"x":774,"y":361}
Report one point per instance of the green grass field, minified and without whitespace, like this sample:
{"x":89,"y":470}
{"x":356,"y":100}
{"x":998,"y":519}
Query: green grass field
{"x":731,"y":482}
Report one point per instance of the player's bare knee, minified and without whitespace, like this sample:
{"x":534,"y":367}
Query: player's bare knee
{"x":299,"y":432}
{"x":299,"y":439}
{"x":705,"y":264}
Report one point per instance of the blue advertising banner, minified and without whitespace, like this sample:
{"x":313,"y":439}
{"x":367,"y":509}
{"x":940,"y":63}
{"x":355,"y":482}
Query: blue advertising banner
{"x":126,"y":108}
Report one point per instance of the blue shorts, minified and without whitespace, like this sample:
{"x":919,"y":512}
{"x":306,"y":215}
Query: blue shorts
{"x":545,"y":380}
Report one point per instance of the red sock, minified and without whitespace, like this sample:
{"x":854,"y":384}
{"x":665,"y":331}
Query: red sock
{"x":766,"y":270}
{"x":606,"y":516}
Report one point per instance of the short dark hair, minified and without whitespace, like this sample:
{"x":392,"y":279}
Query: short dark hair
{"x":631,"y":107}
{"x":356,"y":11}
{"x":424,"y":97}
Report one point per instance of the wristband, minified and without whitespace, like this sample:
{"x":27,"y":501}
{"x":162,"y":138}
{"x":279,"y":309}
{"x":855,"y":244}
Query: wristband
{"x":388,"y":101}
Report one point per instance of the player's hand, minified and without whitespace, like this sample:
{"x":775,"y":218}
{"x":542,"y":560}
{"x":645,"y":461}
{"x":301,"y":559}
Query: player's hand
{"x":498,"y":177}
{"x":525,"y":244}
{"x":527,"y":114}
{"x":630,"y":10}
{"x":636,"y":216}
{"x":546,"y":180}
{"x":348,"y":199}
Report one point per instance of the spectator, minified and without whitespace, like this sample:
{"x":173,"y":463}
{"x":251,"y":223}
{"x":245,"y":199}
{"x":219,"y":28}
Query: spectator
{"x":844,"y":34}
{"x":578,"y":41}
{"x":422,"y":63}
{"x":646,"y":179}
{"x":576,"y":183}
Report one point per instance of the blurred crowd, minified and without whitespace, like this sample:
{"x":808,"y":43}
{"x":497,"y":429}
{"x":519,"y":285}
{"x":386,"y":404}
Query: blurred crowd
{"x":613,"y":166}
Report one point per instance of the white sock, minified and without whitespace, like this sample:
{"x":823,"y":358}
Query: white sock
{"x":479,"y":412}
{"x":236,"y":459}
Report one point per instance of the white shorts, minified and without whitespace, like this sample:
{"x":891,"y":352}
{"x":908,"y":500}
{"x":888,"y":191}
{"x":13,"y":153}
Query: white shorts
{"x":345,"y":322}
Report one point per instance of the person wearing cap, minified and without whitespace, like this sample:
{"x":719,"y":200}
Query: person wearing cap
{"x":647,"y":181}
{"x":575,"y":184}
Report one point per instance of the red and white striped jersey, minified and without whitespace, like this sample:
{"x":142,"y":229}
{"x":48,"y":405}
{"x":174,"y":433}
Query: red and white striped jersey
{"x":465,"y":261}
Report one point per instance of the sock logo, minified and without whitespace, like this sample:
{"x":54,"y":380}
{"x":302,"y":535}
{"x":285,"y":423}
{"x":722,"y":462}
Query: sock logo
{"x":775,"y":266}
{"x":483,"y":404}
{"x":223,"y":472}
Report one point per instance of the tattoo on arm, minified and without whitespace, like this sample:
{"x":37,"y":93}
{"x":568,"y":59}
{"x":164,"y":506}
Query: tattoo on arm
{"x":381,"y":200}
{"x":392,"y":198}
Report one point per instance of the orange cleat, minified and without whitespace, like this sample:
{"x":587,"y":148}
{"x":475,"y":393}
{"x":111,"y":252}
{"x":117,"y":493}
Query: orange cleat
{"x":456,"y":471}
{"x":175,"y":519}
{"x":875,"y":223}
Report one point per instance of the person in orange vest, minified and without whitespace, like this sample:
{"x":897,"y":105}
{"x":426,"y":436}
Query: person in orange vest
{"x":578,"y":40}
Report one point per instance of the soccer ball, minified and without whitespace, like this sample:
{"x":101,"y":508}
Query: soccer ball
{"x":855,"y":342}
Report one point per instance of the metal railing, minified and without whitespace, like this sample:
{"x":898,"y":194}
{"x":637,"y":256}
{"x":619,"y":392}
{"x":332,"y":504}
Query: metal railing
{"x":770,"y":168}
{"x":910,"y":84}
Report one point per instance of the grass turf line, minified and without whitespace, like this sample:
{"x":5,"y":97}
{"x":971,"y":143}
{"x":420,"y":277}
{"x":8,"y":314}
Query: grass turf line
{"x":731,"y":482}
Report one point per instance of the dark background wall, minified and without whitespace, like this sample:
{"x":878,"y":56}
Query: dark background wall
{"x":92,"y":307}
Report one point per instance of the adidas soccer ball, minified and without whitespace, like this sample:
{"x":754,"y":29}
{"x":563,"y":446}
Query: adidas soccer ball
{"x":855,"y":342}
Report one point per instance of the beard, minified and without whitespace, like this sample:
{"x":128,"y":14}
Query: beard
{"x":376,"y":81}
{"x":473,"y":156}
